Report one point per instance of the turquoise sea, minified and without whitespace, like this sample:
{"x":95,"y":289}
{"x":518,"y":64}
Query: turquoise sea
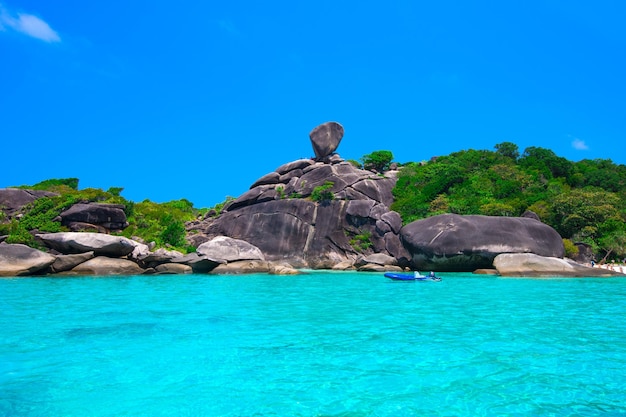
{"x":317,"y":344}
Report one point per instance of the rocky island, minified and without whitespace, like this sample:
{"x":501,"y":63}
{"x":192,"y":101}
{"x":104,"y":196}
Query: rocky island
{"x":318,"y":213}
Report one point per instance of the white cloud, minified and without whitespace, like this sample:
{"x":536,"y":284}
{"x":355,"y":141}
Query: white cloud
{"x":579,"y":144}
{"x":27,"y":24}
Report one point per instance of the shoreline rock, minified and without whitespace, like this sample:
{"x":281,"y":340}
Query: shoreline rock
{"x":318,"y":213}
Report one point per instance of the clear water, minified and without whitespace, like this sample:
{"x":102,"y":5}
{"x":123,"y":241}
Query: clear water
{"x":321,"y":344}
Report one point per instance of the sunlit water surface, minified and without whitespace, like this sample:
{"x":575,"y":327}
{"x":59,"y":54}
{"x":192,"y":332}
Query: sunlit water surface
{"x":318,"y":344}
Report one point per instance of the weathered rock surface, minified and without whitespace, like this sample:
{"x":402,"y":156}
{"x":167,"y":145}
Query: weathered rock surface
{"x":173,"y":268}
{"x":307,"y":234}
{"x":18,"y":260}
{"x":377,"y":258}
{"x":158,"y":257}
{"x":278,"y":216}
{"x":450,"y":242}
{"x":13,"y":199}
{"x":78,"y":242}
{"x":67,"y":262}
{"x":325,"y":139}
{"x":531,"y":265}
{"x":486,"y":271}
{"x":281,"y":268}
{"x":102,"y":265}
{"x":200,"y":264}
{"x":230,"y":250}
{"x":243,"y":267}
{"x":84,"y":216}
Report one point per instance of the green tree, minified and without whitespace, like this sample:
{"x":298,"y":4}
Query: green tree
{"x":546,"y":162}
{"x":174,"y":232}
{"x":508,"y":150}
{"x":583,"y":210}
{"x":377,"y":160}
{"x":323,"y":193}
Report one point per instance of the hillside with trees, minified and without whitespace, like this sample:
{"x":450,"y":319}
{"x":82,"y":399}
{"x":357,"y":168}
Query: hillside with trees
{"x":584,"y":201}
{"x":162,"y":223}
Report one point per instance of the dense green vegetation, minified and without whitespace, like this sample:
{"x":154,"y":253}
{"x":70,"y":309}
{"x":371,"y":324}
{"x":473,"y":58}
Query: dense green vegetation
{"x":162,"y":223}
{"x":584,"y":201}
{"x":377,"y":160}
{"x":323,"y":193}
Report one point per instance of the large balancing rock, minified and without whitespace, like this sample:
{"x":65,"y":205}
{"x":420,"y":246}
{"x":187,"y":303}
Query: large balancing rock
{"x":325,"y":139}
{"x":450,"y":242}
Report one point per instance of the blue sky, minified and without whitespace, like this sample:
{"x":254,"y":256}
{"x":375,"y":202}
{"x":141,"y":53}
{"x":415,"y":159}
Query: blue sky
{"x":197,"y":100}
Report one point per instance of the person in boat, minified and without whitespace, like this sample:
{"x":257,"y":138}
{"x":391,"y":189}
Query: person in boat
{"x":432,"y":274}
{"x":416,"y":274}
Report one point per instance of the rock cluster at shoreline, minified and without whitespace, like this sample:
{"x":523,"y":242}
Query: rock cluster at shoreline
{"x":280,"y":226}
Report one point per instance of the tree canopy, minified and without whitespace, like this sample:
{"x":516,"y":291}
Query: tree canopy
{"x":584,"y":201}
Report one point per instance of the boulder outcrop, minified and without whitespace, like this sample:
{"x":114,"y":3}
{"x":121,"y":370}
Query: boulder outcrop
{"x":153,"y":259}
{"x":451,"y":242}
{"x":243,"y":267}
{"x":13,"y":199}
{"x":172,"y":268}
{"x":200,"y":264}
{"x":230,"y":250}
{"x":284,"y":216}
{"x":531,"y":265}
{"x":79,"y":242}
{"x":19,"y":260}
{"x":94,"y":216}
{"x":102,"y":265}
{"x":68,"y":262}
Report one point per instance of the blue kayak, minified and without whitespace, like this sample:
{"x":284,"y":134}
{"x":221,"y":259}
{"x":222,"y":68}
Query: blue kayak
{"x":410,"y":277}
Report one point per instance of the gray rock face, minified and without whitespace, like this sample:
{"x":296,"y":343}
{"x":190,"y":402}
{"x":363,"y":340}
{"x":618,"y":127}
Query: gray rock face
{"x":450,"y":242}
{"x":278,"y":216}
{"x":67,"y":262}
{"x":94,"y":215}
{"x":13,"y":199}
{"x":243,"y":267}
{"x":325,"y":139}
{"x":158,"y":257}
{"x":101,"y":265}
{"x":230,"y":250}
{"x":18,"y":260}
{"x":99,"y":243}
{"x":377,"y":259}
{"x":349,"y":183}
{"x":309,"y":234}
{"x":200,"y":264}
{"x":531,"y":265}
{"x":173,"y":268}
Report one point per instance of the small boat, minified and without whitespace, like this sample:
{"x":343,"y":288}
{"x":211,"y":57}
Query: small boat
{"x":411,"y":277}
